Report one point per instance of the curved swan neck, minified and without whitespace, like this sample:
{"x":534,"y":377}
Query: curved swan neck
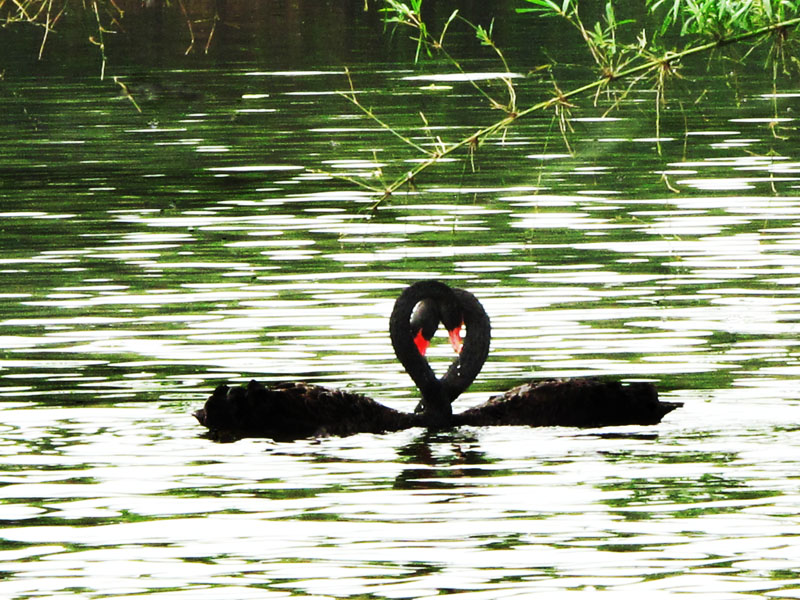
{"x":402,"y":335}
{"x":463,"y":371}
{"x":456,"y":307}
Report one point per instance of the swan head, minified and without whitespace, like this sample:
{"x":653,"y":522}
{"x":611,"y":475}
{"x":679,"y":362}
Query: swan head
{"x":425,"y":319}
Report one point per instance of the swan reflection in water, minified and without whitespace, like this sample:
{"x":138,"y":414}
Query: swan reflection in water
{"x":295,"y":410}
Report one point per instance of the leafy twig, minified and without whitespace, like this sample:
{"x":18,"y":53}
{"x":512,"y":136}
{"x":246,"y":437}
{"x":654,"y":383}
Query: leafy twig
{"x":662,"y":63}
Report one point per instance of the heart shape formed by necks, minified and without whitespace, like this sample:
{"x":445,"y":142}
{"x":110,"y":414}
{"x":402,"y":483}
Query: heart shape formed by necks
{"x":425,"y":321}
{"x":415,"y":318}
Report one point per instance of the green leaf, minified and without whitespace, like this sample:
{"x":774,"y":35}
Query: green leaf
{"x":548,"y":7}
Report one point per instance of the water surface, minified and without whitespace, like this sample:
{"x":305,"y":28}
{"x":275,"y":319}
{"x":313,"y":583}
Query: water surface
{"x":148,"y":257}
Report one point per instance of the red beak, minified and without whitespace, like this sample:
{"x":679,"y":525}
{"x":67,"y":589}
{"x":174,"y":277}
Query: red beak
{"x":455,"y":339}
{"x":421,"y":342}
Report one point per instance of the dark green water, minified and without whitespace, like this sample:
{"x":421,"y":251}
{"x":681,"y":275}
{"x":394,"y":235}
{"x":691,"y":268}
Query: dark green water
{"x":148,"y":257}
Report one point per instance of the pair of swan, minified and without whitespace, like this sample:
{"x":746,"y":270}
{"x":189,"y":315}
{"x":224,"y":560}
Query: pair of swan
{"x":294,"y":410}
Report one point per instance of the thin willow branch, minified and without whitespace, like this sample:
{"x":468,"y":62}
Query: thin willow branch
{"x":410,"y":17}
{"x":127,"y":93}
{"x":100,"y":41}
{"x":47,"y":30}
{"x":189,"y":25}
{"x":214,"y":22}
{"x":351,"y":96}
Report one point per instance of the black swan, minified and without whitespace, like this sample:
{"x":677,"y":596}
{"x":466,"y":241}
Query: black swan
{"x":289,"y":411}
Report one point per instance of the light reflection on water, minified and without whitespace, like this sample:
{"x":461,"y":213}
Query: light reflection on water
{"x":128,"y":499}
{"x":130,"y":301}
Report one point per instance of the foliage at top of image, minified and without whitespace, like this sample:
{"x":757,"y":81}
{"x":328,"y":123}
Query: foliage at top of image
{"x":625,"y":55}
{"x":105,"y":16}
{"x":705,"y":18}
{"x":721,"y":19}
{"x":694,"y":22}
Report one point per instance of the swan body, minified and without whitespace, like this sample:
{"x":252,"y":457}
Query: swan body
{"x":288,"y":411}
{"x":580,"y":402}
{"x":296,"y":410}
